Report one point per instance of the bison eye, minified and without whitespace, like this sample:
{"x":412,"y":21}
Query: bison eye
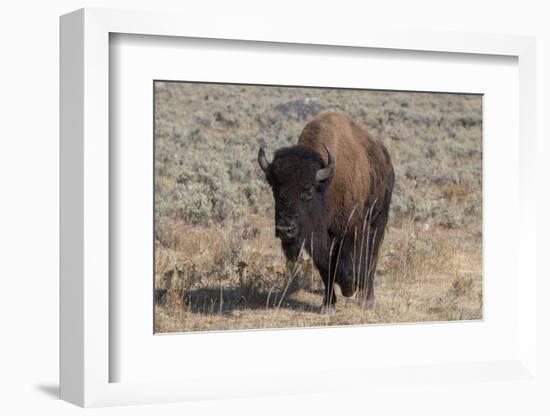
{"x":307,"y":194}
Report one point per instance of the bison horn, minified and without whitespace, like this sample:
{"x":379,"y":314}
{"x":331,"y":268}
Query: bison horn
{"x":327,"y":172}
{"x":262,"y":160}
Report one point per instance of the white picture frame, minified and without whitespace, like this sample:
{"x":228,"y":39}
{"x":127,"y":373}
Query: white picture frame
{"x":85,"y":217}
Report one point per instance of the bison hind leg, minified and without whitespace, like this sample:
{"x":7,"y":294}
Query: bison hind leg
{"x":366,"y":292}
{"x":346,"y":279}
{"x":345,"y":274}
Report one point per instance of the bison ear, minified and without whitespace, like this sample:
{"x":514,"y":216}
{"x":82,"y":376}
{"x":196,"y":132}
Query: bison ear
{"x":324,"y":175}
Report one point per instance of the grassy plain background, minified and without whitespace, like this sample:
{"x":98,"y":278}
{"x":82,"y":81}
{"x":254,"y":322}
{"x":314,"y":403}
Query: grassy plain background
{"x":217,"y":263}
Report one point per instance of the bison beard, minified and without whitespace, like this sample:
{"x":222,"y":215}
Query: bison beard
{"x":332,"y":195}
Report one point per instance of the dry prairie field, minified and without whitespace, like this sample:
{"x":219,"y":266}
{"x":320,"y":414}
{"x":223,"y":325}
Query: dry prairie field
{"x":218,"y":265}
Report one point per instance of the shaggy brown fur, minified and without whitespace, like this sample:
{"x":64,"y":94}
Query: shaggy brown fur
{"x":363,"y":174}
{"x":341,"y":221}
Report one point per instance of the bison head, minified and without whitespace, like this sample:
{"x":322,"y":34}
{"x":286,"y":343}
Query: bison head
{"x":299,"y":180}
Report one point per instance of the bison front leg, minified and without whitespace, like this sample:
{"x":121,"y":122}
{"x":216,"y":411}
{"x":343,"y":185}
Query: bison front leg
{"x":343,"y":268}
{"x":319,"y":251}
{"x":329,"y":299}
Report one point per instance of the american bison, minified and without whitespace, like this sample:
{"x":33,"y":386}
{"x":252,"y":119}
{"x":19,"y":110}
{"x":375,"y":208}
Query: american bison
{"x":332,"y":196}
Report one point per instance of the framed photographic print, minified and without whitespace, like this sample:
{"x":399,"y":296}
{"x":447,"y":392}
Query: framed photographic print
{"x":291,"y":213}
{"x":241,"y":244}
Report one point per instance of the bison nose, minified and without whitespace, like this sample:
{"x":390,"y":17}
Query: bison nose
{"x":285,"y":232}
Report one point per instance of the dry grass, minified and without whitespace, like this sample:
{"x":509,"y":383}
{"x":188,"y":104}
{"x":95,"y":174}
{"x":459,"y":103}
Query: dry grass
{"x":424,"y":275}
{"x":218,"y":265}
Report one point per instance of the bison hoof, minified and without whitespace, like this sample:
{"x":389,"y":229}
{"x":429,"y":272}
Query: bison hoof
{"x":347,"y":286}
{"x":328,"y":309}
{"x":347,"y":291}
